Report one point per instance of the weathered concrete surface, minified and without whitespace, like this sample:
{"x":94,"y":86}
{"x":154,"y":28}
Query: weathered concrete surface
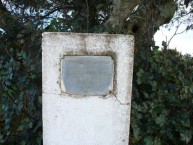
{"x":86,"y":120}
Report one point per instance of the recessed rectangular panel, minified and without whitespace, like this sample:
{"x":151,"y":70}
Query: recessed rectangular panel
{"x":87,"y":75}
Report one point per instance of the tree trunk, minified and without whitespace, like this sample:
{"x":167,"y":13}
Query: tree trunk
{"x":141,"y":19}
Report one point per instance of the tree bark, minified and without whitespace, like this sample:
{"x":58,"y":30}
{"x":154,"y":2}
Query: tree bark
{"x":121,"y":11}
{"x":143,"y":22}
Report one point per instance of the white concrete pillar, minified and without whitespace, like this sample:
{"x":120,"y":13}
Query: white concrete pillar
{"x":87,"y":85}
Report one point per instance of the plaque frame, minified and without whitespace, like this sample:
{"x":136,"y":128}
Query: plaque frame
{"x":110,"y":86}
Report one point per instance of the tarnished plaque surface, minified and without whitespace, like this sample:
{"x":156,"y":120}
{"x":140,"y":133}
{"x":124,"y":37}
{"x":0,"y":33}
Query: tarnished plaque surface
{"x":87,"y":75}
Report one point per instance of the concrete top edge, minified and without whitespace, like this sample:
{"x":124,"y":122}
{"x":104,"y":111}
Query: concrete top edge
{"x":89,"y":34}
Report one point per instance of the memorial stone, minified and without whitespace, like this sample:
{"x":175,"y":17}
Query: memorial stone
{"x":87,"y":85}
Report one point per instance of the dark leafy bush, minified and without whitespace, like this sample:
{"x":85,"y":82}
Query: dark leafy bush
{"x":20,"y":92}
{"x":162,"y":103}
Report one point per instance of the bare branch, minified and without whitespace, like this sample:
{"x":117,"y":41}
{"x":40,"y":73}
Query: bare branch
{"x":176,"y":33}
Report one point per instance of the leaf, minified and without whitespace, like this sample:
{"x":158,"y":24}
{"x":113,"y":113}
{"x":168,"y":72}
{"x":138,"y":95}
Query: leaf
{"x":155,"y":48}
{"x":186,"y":136}
{"x":23,"y":143}
{"x":20,"y":107}
{"x":191,"y":88}
{"x":148,"y":140}
{"x":186,"y":122}
{"x":30,"y":124}
{"x":145,"y":94}
{"x":21,"y":127}
{"x":157,"y":141}
{"x":136,"y":132}
{"x":160,"y":120}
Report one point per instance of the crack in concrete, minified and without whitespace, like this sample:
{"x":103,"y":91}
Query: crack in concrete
{"x":125,"y":104}
{"x":50,"y":93}
{"x":83,"y":97}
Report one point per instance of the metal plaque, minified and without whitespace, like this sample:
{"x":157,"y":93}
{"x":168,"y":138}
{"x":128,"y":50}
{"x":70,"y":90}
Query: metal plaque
{"x":87,"y":75}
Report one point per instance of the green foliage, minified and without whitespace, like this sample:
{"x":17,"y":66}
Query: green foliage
{"x":20,"y":91}
{"x":162,"y":85}
{"x":162,"y":103}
